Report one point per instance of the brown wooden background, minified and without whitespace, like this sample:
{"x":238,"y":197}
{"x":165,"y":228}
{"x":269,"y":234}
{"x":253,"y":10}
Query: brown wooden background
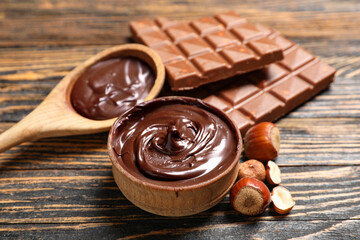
{"x":62,"y":188}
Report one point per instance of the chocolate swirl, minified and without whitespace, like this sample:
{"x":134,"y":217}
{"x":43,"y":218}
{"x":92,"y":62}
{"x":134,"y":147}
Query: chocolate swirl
{"x":110,"y":87}
{"x":176,"y":141}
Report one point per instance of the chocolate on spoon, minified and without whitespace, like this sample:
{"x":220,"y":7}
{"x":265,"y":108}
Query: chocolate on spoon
{"x":58,"y":115}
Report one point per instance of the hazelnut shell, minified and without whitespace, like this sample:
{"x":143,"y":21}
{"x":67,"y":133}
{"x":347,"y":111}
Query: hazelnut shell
{"x":252,"y":168}
{"x":262,"y":142}
{"x":253,"y":185}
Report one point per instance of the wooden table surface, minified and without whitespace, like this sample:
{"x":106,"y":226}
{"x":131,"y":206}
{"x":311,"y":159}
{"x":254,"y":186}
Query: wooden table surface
{"x":63,"y":188}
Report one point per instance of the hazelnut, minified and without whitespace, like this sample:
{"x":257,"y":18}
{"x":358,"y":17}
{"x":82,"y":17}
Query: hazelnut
{"x":252,"y":168}
{"x":282,"y":200}
{"x":273,"y":173}
{"x":250,"y":196}
{"x":262,"y":142}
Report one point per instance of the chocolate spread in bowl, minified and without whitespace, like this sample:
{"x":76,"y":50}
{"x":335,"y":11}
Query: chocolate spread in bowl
{"x":110,"y":87}
{"x":174,"y":140}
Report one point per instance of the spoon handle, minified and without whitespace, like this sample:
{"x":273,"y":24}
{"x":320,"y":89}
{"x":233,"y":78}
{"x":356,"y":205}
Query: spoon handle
{"x":17,"y":134}
{"x":52,"y":118}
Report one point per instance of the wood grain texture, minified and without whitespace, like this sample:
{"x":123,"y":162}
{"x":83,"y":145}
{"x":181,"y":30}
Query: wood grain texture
{"x":91,"y":195}
{"x":62,"y":188}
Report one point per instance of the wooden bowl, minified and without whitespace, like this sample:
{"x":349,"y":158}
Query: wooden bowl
{"x":170,"y":199}
{"x":55,"y":116}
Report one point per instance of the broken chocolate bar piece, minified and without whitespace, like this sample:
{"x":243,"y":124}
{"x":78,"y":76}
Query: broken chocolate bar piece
{"x":268,"y":93}
{"x":208,"y":49}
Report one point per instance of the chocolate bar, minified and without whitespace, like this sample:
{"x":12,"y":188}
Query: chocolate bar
{"x":208,"y":49}
{"x":269,"y":93}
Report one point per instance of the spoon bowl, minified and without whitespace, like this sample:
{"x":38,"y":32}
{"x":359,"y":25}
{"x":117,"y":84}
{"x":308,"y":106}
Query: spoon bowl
{"x":55,"y":116}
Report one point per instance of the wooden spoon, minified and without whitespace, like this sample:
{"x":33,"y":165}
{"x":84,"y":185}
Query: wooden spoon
{"x":56,"y":117}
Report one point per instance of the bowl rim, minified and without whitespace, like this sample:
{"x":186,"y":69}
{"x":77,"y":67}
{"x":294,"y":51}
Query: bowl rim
{"x":156,"y":184}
